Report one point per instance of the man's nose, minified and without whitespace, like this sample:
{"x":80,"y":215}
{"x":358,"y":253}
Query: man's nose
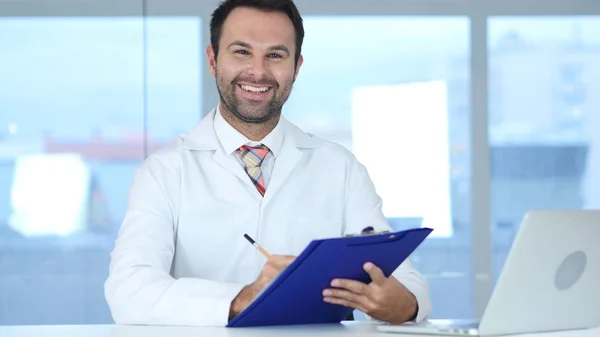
{"x":257,"y":67}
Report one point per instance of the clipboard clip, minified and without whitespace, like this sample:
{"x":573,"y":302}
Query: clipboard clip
{"x":366,"y":232}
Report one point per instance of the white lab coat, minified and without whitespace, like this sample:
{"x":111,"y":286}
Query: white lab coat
{"x":180,"y":257}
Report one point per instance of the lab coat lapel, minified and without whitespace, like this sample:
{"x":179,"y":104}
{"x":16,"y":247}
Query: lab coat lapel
{"x":229,"y":163}
{"x":285,"y":163}
{"x":203,"y":138}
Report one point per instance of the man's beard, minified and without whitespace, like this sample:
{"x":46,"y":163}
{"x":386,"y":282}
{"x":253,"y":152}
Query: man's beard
{"x":249,"y":111}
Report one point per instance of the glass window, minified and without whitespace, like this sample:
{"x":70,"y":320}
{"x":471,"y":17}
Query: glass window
{"x":544,"y":119}
{"x":395,"y":91}
{"x":175,"y":63}
{"x":74,"y":119}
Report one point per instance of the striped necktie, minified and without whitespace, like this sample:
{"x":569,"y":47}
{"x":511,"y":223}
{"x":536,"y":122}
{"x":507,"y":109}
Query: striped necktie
{"x":252,"y":157}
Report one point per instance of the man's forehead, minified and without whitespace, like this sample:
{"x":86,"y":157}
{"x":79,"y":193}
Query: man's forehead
{"x":258,"y":28}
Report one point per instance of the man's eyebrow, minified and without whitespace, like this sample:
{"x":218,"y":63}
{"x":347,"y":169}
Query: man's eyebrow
{"x":280,"y":47}
{"x":240,"y":44}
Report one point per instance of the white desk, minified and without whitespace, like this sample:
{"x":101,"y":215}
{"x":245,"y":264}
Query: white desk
{"x":363,"y":329}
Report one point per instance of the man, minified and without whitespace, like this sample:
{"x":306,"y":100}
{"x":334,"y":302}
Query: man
{"x":181,"y":257}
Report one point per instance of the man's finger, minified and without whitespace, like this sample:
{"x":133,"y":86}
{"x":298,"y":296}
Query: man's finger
{"x":282,"y":258}
{"x":344,"y":302}
{"x":351,"y":285}
{"x":375,"y":273}
{"x":344,"y":295}
{"x":287,"y":260}
{"x":281,"y":261}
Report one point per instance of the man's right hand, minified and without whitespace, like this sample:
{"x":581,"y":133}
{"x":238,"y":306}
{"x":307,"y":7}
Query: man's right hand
{"x":275,"y":264}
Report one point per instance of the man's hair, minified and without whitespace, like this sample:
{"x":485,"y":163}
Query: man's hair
{"x":284,"y":6}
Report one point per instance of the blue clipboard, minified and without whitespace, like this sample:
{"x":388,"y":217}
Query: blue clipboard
{"x":295,"y":297}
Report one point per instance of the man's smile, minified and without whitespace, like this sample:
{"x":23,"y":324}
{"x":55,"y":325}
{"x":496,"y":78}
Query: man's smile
{"x":255,"y":92}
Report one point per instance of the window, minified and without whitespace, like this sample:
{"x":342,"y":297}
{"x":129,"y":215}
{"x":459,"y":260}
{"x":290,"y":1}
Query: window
{"x":86,"y":89}
{"x":174,"y":77}
{"x":394,"y":91}
{"x":79,"y":111}
{"x":545,"y":148}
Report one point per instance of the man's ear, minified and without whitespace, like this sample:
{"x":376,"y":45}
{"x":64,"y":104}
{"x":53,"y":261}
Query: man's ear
{"x":212,"y":61}
{"x":298,"y":65}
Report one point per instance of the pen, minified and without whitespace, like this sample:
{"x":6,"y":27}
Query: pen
{"x":260,"y":249}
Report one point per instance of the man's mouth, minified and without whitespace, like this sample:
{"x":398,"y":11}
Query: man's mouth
{"x":254,"y":89}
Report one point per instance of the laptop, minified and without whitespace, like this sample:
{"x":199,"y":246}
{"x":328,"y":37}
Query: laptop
{"x":550,"y":281}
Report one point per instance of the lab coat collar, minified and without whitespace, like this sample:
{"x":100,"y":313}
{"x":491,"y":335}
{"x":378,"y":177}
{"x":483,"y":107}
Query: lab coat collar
{"x":203,"y":136}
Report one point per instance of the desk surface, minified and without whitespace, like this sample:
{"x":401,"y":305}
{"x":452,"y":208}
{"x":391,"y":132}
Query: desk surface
{"x":364,"y":329}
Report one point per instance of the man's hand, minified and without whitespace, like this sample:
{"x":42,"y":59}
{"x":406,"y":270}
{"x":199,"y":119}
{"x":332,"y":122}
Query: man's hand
{"x":384,"y":299}
{"x":275,"y":264}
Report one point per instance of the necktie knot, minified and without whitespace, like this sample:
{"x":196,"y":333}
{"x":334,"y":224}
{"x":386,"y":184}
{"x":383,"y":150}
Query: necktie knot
{"x":253,"y":157}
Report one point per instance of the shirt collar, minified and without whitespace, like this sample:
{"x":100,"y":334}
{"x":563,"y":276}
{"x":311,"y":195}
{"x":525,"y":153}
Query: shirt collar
{"x":231,"y":139}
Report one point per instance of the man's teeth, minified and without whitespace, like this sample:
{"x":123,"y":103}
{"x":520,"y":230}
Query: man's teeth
{"x":254,"y":89}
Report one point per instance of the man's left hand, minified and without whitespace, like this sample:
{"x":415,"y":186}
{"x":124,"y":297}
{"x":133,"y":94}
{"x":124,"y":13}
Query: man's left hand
{"x":384,"y":299}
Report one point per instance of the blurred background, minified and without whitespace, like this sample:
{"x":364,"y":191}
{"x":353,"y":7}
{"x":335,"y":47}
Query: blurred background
{"x":493,"y":107}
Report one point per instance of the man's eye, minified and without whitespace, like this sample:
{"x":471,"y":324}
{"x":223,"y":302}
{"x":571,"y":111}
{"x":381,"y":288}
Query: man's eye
{"x":275,"y":56}
{"x":242,"y":52}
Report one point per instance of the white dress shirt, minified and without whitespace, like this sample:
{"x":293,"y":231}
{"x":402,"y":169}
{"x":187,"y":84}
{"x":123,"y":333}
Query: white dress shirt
{"x":180,"y":257}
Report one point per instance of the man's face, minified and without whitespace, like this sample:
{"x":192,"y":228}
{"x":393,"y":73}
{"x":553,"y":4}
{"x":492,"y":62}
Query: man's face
{"x":255,"y":67}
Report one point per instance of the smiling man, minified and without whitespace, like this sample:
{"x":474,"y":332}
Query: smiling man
{"x":255,"y":67}
{"x":181,"y":257}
